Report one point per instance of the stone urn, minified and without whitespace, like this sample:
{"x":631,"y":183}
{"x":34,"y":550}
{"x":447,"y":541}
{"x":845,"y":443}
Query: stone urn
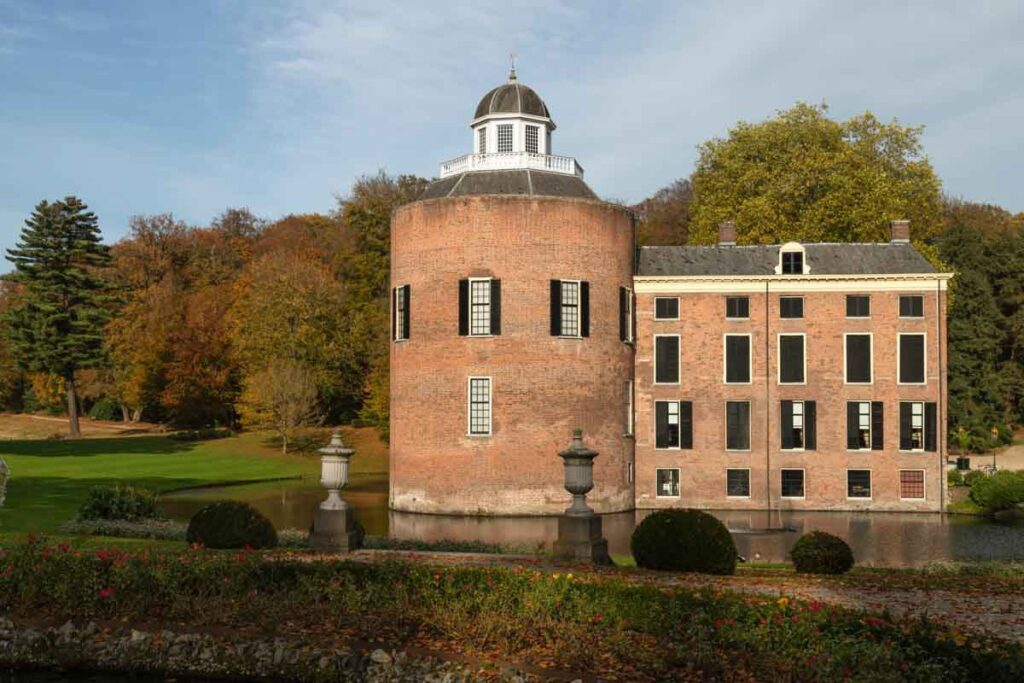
{"x":579,"y":474}
{"x":334,"y":459}
{"x":334,"y":525}
{"x":580,"y":534}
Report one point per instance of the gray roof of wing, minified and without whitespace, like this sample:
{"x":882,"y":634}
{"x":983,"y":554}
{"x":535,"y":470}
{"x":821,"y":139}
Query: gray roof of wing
{"x":510,"y":182}
{"x":822,"y":259}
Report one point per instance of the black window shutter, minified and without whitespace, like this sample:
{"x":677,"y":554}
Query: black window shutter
{"x":405,"y":312}
{"x":661,"y":424}
{"x":852,"y":428}
{"x":737,"y":359}
{"x":394,"y":313}
{"x":622,"y":313}
{"x":810,"y":426}
{"x":877,"y":426}
{"x":686,"y":424}
{"x":463,"y":308}
{"x":666,"y":360}
{"x":930,"y":427}
{"x":792,"y":358}
{"x":787,"y":424}
{"x":556,"y":308}
{"x":912,"y":358}
{"x":495,"y":306}
{"x":906,"y":413}
{"x":732,"y":424}
{"x":584,"y":309}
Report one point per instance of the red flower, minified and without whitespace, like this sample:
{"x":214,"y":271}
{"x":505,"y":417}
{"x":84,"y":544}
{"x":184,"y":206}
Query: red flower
{"x":815,"y":606}
{"x":103,"y":555}
{"x":106,"y":593}
{"x":64,"y":548}
{"x":811,"y":661}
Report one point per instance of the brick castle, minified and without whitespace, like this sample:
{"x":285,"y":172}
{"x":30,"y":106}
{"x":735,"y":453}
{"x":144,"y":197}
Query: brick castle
{"x":798,"y":376}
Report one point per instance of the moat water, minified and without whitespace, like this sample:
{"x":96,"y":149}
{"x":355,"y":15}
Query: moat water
{"x":880,"y":538}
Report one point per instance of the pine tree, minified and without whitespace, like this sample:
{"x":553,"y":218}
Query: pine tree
{"x":62,"y":305}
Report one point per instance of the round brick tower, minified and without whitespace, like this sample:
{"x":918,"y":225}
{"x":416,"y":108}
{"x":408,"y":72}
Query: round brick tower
{"x":512,"y":325}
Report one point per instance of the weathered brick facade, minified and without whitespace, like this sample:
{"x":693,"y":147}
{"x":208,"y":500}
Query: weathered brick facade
{"x":543,"y":385}
{"x":701,"y":327}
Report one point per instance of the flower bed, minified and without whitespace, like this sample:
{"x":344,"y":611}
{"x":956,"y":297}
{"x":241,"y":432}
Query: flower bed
{"x":598,"y":626}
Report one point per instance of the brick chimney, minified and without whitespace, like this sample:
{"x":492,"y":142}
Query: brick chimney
{"x":899,"y":231}
{"x":727,"y":234}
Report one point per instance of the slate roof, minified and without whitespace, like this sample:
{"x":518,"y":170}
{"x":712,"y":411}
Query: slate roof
{"x":821,"y":258}
{"x":512,"y":98}
{"x":509,"y":182}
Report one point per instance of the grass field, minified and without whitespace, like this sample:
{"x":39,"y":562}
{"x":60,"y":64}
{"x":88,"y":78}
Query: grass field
{"x":50,"y":478}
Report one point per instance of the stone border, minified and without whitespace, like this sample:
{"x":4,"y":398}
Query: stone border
{"x":201,"y":655}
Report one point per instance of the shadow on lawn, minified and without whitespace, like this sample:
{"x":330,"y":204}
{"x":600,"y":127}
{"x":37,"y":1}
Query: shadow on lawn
{"x":141,"y":445}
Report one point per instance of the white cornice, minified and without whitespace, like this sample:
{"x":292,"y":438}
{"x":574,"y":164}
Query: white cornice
{"x":662,"y":284}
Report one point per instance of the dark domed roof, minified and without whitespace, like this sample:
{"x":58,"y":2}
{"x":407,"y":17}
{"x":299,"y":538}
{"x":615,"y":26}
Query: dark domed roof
{"x":512,"y":98}
{"x":519,"y":181}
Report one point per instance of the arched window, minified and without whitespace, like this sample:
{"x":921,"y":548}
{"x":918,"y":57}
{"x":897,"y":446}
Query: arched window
{"x":792,"y":260}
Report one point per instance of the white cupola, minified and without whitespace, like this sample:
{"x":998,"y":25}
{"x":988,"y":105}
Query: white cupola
{"x":512,"y":129}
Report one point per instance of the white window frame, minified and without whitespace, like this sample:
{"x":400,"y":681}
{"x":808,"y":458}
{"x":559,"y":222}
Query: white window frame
{"x":630,"y":421}
{"x":858,"y":317}
{"x":481,"y":139}
{"x":871,"y":483}
{"x":899,"y":302}
{"x":737,"y":296}
{"x":778,"y":355}
{"x":579,"y":309}
{"x":750,"y":485}
{"x":679,"y":423}
{"x":654,"y":361}
{"x":804,"y":478}
{"x":490,"y":303}
{"x":871,"y":358}
{"x":871,"y":427}
{"x":679,"y":482}
{"x":469,"y":407}
{"x":924,"y":358}
{"x":802,"y":306}
{"x":791,"y":248}
{"x":630,"y":472}
{"x":750,"y":358}
{"x":678,"y":306}
{"x":511,"y":129}
{"x":803,"y":428}
{"x":536,"y":139}
{"x":924,"y":482}
{"x":913,"y":403}
{"x":401,"y":334}
{"x":750,"y":425}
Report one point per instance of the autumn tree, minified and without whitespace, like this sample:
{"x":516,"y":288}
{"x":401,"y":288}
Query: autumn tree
{"x":289,"y":307}
{"x":664,"y":217}
{"x":803,"y":176}
{"x":366,"y":216}
{"x":282,"y":397}
{"x":62,"y":302}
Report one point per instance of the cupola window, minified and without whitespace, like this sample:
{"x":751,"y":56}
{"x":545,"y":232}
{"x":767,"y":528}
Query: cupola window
{"x":531,"y":139}
{"x":481,"y":136}
{"x":504,"y":137}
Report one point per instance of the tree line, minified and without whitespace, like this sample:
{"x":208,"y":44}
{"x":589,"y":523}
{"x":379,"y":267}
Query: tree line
{"x":283,"y":324}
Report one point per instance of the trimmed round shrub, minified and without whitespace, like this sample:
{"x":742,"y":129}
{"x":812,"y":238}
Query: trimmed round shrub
{"x":684,"y":540}
{"x":121,"y":502}
{"x":973,"y":477}
{"x":231,"y":524}
{"x":821,"y":553}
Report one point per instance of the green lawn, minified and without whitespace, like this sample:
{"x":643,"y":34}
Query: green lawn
{"x":49,"y":478}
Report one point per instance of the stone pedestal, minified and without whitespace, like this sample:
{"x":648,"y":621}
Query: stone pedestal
{"x":580,"y":538}
{"x":334,"y":530}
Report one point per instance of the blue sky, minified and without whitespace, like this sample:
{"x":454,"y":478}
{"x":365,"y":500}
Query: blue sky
{"x":192,"y":107}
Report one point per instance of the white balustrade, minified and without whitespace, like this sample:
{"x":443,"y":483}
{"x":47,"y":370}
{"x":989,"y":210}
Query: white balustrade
{"x":511,"y":160}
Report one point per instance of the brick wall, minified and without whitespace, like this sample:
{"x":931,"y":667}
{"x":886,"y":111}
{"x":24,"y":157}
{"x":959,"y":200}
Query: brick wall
{"x":702,"y":326}
{"x":542,"y":386}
